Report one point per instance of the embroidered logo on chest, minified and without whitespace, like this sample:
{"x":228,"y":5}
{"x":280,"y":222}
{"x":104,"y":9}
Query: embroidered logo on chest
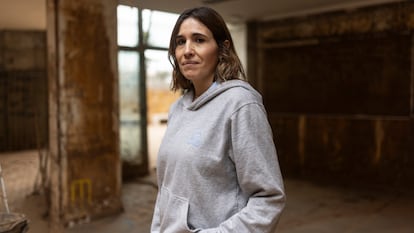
{"x":195,"y":139}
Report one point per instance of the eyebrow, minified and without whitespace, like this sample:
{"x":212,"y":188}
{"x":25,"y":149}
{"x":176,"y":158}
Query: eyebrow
{"x":192,"y":35}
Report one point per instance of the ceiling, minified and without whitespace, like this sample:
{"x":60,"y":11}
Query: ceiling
{"x":235,"y":11}
{"x":244,"y":10}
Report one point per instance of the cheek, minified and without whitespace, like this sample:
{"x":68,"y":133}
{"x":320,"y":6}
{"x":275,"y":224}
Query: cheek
{"x":177,"y":53}
{"x":212,"y":57}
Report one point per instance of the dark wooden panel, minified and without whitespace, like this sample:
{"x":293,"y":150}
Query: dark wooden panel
{"x":26,"y":104}
{"x":346,"y":151}
{"x":286,"y":137}
{"x":23,"y":90}
{"x":339,"y":147}
{"x":24,"y":50}
{"x":359,"y":75}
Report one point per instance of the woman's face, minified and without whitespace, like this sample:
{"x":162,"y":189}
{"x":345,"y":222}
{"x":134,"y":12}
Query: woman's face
{"x":196,"y":52}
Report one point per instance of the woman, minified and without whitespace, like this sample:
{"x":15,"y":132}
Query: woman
{"x":217,"y":166}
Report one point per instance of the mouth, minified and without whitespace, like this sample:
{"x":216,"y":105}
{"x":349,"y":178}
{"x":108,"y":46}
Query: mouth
{"x":189,"y":63}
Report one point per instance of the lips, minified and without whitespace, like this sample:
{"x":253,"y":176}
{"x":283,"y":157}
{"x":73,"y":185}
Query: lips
{"x":189,"y":63}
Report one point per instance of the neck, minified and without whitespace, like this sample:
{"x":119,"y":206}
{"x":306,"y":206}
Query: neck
{"x":200,"y":89}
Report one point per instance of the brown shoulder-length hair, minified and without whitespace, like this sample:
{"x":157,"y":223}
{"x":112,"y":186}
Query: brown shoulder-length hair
{"x":228,"y":64}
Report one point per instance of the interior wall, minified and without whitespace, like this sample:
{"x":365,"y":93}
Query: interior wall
{"x":23,"y":15}
{"x":338,"y":88}
{"x":23,"y":76}
{"x":23,"y":90}
{"x":239,"y":36}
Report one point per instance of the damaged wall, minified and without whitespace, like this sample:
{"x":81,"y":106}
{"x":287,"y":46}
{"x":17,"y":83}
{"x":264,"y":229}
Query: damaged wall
{"x":339,"y":91}
{"x":23,"y":90}
{"x":83,"y":109}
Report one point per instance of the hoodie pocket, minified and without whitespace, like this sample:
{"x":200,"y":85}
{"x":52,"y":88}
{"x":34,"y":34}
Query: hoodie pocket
{"x":173,"y":213}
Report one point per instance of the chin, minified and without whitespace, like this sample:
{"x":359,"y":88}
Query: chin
{"x":190,"y":77}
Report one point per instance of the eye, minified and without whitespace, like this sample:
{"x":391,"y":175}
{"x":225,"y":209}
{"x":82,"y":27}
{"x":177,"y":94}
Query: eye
{"x":200,"y":40}
{"x":179,"y":41}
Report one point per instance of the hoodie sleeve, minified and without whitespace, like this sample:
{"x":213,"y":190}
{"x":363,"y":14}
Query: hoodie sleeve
{"x":258,"y":173}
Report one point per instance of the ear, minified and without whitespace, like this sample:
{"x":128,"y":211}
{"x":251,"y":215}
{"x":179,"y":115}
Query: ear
{"x":226,"y":44}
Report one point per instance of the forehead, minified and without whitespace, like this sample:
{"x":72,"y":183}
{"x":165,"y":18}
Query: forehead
{"x":192,"y":26}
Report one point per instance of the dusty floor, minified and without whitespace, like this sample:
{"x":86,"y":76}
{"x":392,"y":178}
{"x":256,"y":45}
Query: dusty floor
{"x":311,"y":208}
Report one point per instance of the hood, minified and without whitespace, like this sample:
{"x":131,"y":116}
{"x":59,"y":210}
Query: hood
{"x":215,"y":90}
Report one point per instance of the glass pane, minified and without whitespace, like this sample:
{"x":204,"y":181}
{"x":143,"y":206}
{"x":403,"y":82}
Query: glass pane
{"x":159,"y":95}
{"x":127,"y":26}
{"x":159,"y":98}
{"x":130,"y":118}
{"x":159,"y":69}
{"x":157,"y":27}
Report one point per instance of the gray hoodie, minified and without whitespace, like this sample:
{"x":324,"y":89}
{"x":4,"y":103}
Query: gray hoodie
{"x":217,"y":166}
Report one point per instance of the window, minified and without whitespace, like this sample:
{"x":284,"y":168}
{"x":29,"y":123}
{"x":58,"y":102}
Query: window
{"x":127,"y":26}
{"x":144,"y":79}
{"x":157,"y":27}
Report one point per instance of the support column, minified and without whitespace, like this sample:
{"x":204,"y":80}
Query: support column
{"x":83,"y":111}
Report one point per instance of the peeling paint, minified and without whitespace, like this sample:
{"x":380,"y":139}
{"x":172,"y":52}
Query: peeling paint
{"x":88,"y":107}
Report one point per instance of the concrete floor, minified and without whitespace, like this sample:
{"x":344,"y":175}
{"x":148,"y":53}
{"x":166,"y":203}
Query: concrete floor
{"x":311,"y":208}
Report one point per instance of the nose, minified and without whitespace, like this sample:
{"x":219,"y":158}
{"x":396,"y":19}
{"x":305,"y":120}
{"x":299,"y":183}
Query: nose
{"x":189,"y":49}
